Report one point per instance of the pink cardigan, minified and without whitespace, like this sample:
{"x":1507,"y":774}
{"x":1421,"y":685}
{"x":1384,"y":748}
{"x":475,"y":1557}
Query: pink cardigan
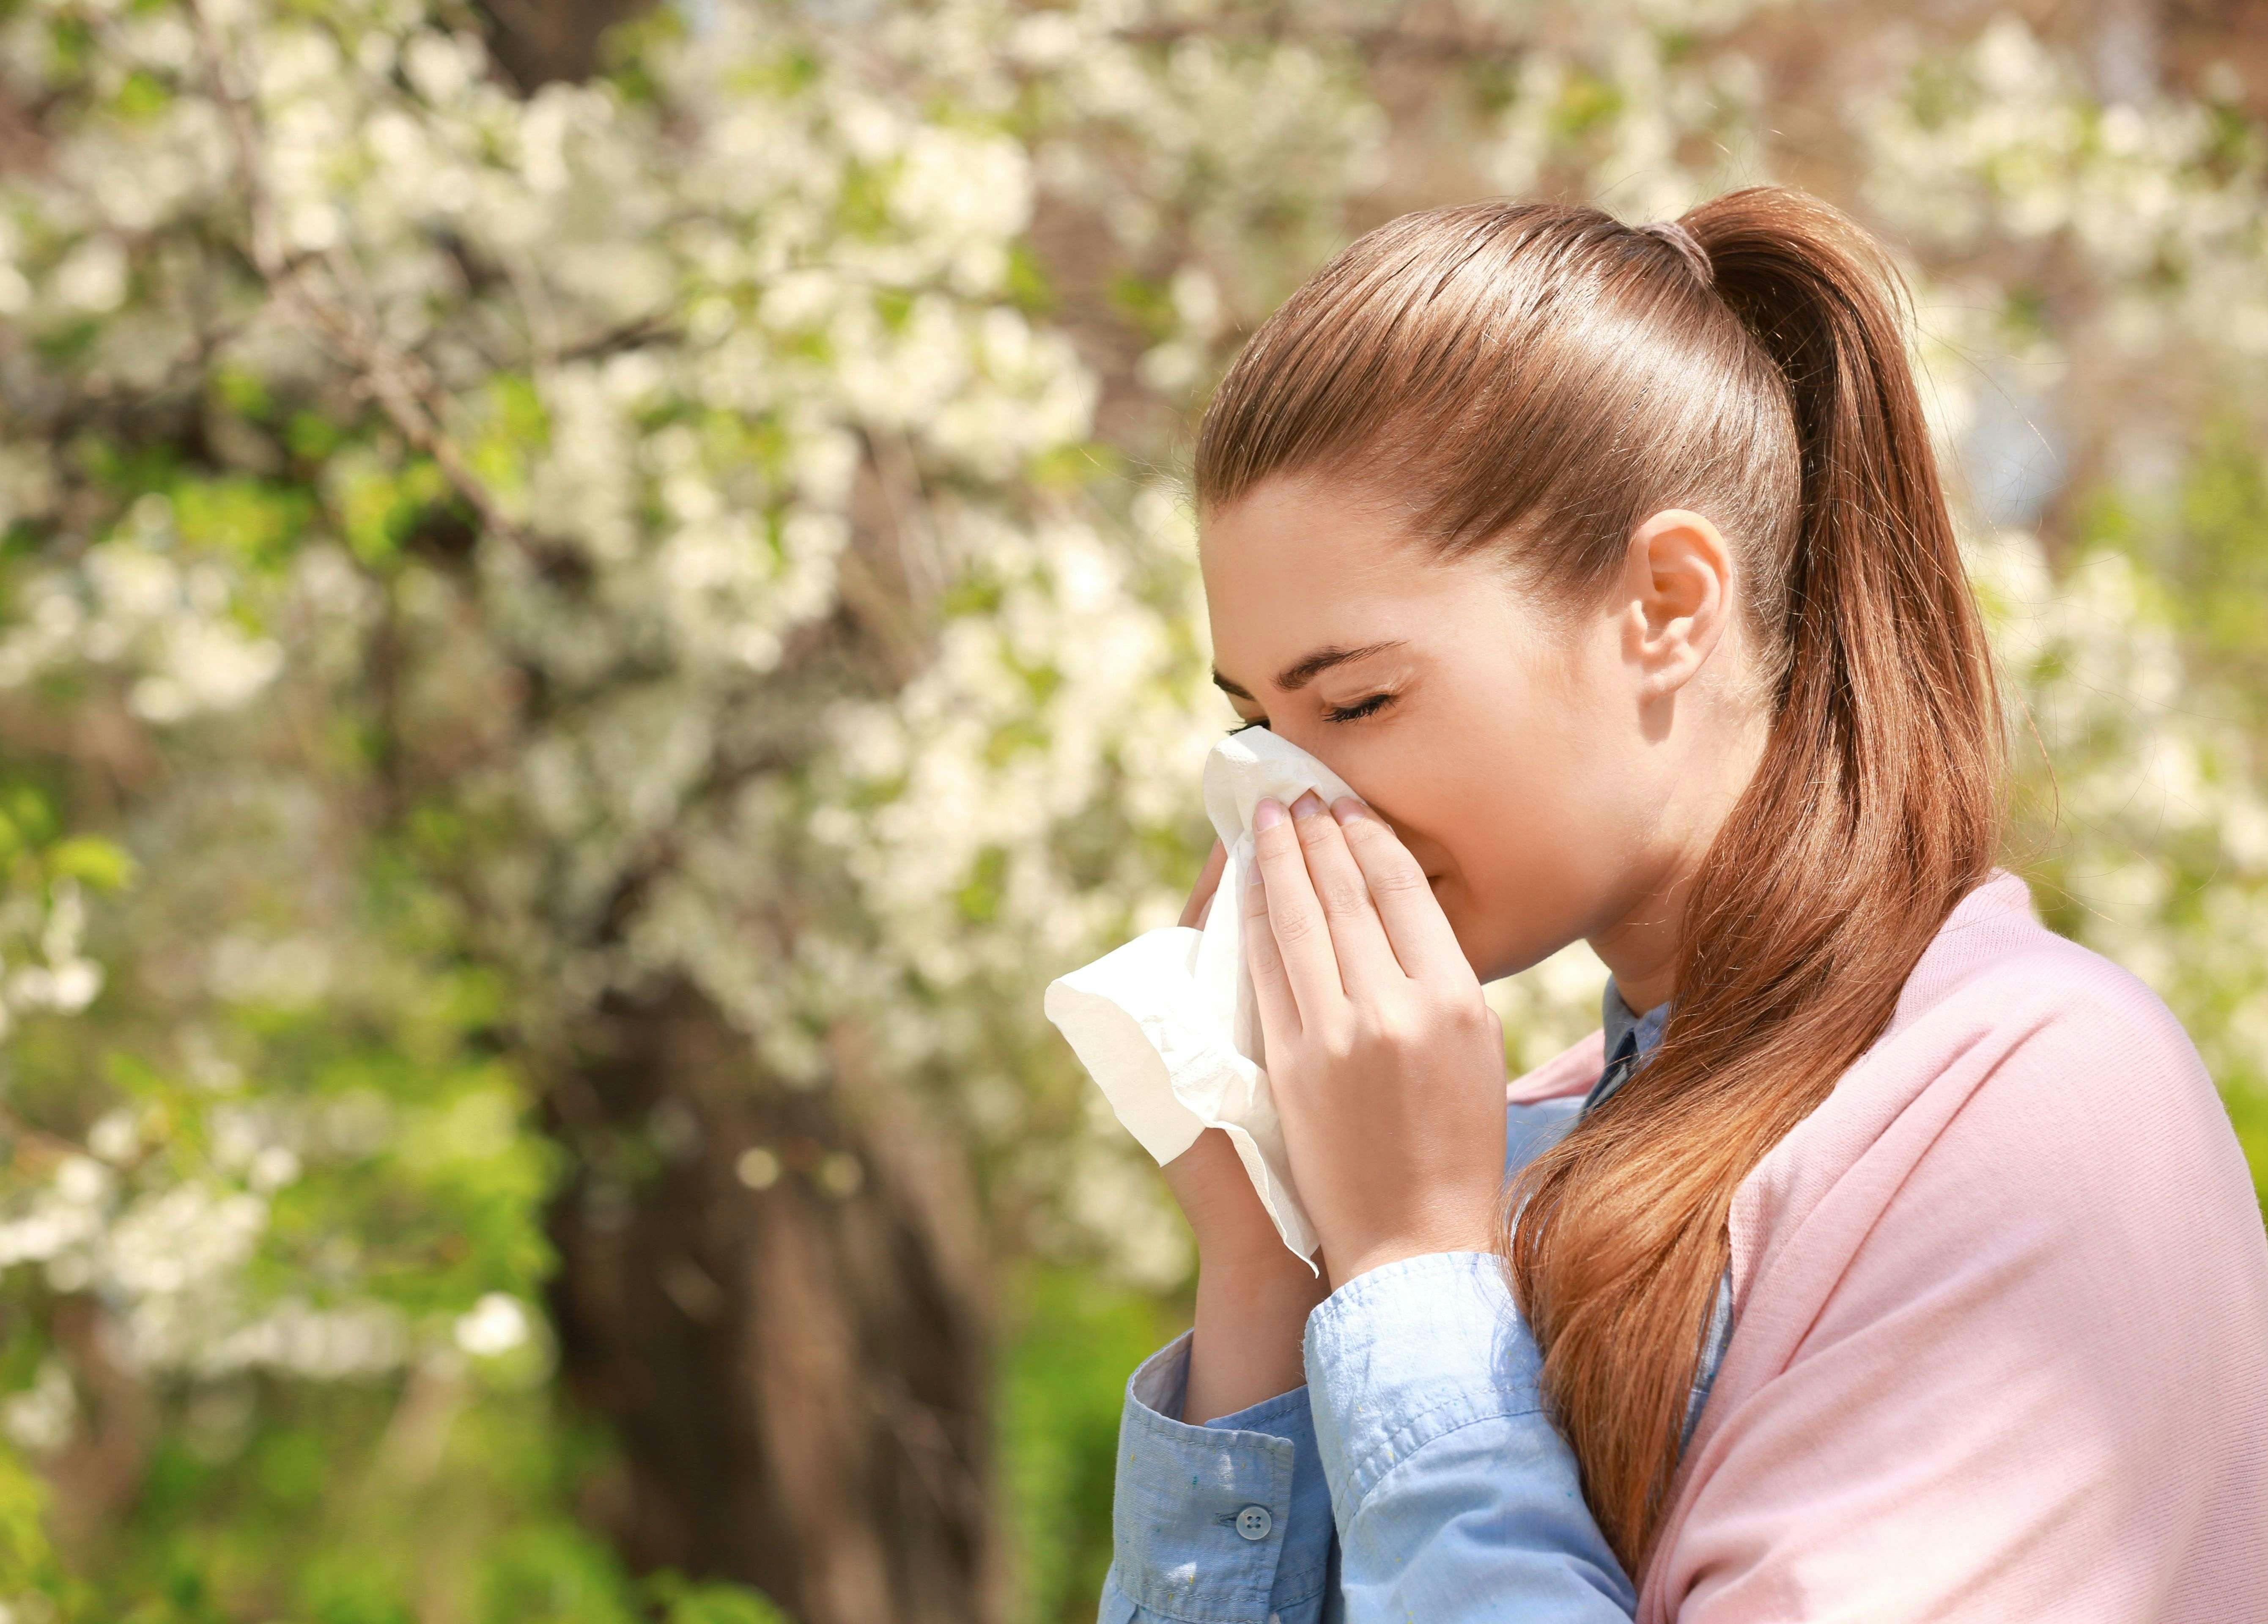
{"x":2000,"y":1335}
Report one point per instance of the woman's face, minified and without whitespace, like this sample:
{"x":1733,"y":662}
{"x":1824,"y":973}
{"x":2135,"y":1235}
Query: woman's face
{"x":1536,"y":768}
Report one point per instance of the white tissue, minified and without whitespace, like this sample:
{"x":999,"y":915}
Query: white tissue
{"x":1166,"y":1025}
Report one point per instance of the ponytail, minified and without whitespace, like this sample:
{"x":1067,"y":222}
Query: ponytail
{"x":1876,"y":808}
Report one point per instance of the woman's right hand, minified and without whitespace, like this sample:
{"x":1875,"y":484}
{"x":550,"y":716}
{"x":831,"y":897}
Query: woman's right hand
{"x":1210,"y":1183}
{"x":1195,"y":911}
{"x":1253,"y":1294}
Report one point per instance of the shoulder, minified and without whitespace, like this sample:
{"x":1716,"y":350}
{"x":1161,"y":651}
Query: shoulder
{"x":2029,"y":1086}
{"x":2043,"y":1015}
{"x":2070,"y":1087}
{"x":1998,"y":992}
{"x":2004,"y":1289}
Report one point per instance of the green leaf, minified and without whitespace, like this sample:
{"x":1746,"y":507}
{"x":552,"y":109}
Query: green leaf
{"x":685,"y":1602}
{"x":93,"y":861}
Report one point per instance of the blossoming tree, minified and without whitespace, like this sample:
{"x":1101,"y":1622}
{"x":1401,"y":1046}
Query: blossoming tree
{"x":574,"y":651}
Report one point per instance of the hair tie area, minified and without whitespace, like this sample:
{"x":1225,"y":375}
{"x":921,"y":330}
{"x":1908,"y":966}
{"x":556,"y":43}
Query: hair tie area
{"x":1675,"y":233}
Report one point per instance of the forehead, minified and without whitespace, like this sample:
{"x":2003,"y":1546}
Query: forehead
{"x":1301,"y":562}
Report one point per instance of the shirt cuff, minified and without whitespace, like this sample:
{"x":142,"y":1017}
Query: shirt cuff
{"x":1408,"y":1352}
{"x":1219,"y":1523}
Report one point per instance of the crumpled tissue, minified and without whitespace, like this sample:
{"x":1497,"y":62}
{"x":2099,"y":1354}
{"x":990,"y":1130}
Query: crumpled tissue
{"x":1166,"y":1025}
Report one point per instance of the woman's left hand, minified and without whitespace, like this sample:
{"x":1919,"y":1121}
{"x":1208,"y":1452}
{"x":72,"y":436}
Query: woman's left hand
{"x":1385,"y":1062}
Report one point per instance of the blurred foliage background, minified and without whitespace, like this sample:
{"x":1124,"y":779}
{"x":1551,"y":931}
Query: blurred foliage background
{"x":594,"y":596}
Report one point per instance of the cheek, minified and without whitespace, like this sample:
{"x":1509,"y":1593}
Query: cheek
{"x":1502,"y":822}
{"x":1506,"y":851}
{"x":1517,"y":893}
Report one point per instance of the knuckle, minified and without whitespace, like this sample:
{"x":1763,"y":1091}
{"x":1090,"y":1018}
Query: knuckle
{"x":1276,"y":842}
{"x":1394,"y":1027}
{"x":1371,"y":831}
{"x":1400,"y":879}
{"x":1344,"y":894}
{"x":1467,"y":1015}
{"x":1295,"y":927}
{"x":1452,"y":1008}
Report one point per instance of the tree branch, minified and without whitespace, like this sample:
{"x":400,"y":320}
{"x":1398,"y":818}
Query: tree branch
{"x":403,"y":386}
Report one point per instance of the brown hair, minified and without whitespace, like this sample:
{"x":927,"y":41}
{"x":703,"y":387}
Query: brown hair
{"x":1537,"y":378}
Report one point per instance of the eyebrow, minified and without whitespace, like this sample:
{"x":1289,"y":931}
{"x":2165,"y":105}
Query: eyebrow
{"x":1300,"y":673}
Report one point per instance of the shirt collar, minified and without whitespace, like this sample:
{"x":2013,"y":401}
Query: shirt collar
{"x":1615,"y":1015}
{"x":1630,"y":1039}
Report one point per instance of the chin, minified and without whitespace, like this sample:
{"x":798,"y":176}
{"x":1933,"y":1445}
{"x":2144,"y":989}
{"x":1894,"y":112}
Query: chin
{"x":1473,"y":943}
{"x":1491,"y":957}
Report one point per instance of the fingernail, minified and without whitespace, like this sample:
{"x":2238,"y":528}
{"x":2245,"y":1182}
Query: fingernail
{"x":1267,"y":814}
{"x":1307,"y":805}
{"x":1346,"y":808}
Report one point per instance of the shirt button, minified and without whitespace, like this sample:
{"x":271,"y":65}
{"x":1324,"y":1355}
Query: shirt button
{"x":1254,"y":1522}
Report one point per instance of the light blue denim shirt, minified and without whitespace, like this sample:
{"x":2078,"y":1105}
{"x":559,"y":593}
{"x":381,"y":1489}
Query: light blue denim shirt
{"x":1414,"y":1476}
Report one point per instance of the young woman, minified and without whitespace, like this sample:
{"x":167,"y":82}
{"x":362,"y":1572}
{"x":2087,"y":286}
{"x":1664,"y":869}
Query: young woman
{"x":1898,"y":1261}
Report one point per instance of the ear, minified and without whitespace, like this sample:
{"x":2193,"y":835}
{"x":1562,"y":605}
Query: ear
{"x":1679,"y":599}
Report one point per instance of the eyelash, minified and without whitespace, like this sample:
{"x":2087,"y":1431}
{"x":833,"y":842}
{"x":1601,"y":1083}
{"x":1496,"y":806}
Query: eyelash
{"x":1353,"y":713}
{"x":1360,"y":709}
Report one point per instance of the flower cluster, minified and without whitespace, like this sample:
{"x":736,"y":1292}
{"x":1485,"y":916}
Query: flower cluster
{"x":473,"y":556}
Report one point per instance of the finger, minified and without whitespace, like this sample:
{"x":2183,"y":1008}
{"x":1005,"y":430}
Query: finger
{"x":1419,"y":931}
{"x":1200,"y":900}
{"x":1366,"y":958}
{"x":1295,"y":916}
{"x":1272,"y":988}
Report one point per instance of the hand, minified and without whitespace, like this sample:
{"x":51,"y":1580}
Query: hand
{"x":1199,"y":907}
{"x":1253,"y":1294}
{"x":1215,"y":1192}
{"x":1385,"y":1062}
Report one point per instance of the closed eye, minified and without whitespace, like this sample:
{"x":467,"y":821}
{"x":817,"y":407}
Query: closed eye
{"x":1358,"y":710}
{"x":1240,"y":727}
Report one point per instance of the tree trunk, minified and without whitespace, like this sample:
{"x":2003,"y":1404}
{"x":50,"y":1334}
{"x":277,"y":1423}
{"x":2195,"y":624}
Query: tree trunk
{"x":777,"y":1296}
{"x":537,"y":41}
